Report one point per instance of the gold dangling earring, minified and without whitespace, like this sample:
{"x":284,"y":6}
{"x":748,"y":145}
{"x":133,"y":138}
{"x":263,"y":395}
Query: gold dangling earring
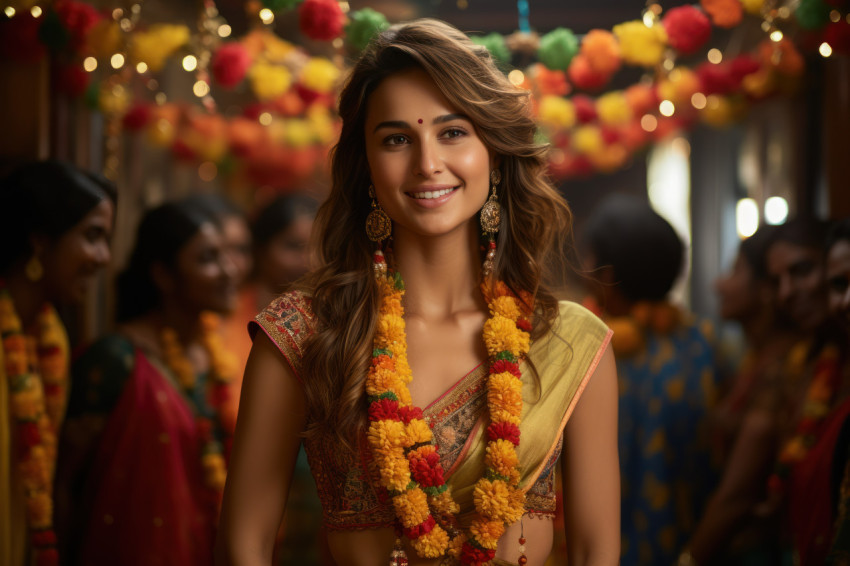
{"x":491,"y":217}
{"x":34,"y":269}
{"x":378,"y":229}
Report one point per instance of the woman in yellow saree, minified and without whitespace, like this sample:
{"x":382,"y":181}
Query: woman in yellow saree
{"x":456,"y":464}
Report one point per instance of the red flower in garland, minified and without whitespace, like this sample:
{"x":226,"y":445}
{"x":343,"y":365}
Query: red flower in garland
{"x":384,"y":409}
{"x":321,"y":19}
{"x":43,"y":538}
{"x":426,"y":470}
{"x":421,"y":529}
{"x":502,"y":366}
{"x":471,"y":555}
{"x":688,"y":28}
{"x":29,"y":434}
{"x":506,"y":431}
{"x":407,"y":414}
{"x":47,"y":557}
{"x":523,"y":324}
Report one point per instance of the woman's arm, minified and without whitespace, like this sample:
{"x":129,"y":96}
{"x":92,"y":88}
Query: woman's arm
{"x":744,"y":478}
{"x":272,"y":414}
{"x":591,"y":472}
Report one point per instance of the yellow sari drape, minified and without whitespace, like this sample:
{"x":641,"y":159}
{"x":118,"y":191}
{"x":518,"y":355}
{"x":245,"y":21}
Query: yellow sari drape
{"x":565,"y":359}
{"x":13,"y":519}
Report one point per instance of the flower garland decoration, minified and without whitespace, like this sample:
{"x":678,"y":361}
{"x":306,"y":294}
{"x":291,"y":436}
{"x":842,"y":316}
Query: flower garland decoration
{"x":214,"y":422}
{"x":403,"y":446}
{"x":816,"y":407}
{"x":37,"y":374}
{"x":629,"y":331}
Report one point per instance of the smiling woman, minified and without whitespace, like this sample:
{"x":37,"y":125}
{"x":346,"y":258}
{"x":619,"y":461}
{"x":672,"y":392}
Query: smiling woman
{"x":426,"y":362}
{"x":55,"y":225}
{"x":142,"y":453}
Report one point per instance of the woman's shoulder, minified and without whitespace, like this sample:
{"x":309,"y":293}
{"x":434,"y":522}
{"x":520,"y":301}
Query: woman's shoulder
{"x":577,"y":323}
{"x":291,"y":304}
{"x":288,"y":321}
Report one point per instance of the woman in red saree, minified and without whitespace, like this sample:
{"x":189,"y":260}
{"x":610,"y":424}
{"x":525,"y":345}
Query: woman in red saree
{"x":142,"y":458}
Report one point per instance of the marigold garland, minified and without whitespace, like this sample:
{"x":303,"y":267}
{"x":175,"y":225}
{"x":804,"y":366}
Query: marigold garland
{"x":215,"y":427}
{"x":816,"y":407}
{"x":403,"y":446}
{"x":37,"y":374}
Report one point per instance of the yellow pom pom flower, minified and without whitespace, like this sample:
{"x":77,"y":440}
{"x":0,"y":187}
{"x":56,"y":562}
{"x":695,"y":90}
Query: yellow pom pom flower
{"x":505,"y":307}
{"x":588,"y":139}
{"x":411,"y":506}
{"x":501,"y":334}
{"x":154,"y":46}
{"x":418,"y":431}
{"x":501,"y":457}
{"x":614,"y":109}
{"x":556,"y":111}
{"x":320,"y":75}
{"x":433,"y":544}
{"x":487,"y":533}
{"x":641,"y":45}
{"x":269,"y":81}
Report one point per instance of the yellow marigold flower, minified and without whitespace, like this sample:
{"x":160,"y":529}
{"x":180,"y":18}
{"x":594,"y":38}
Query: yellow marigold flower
{"x":487,"y":533}
{"x":506,"y":307}
{"x":456,"y":545}
{"x":34,"y":469}
{"x":386,"y":434}
{"x":39,"y":509}
{"x":394,"y":469}
{"x":502,"y":416}
{"x":381,"y":380}
{"x":411,"y":506}
{"x":505,"y":395}
{"x":501,"y":457}
{"x":417,"y":431}
{"x":497,"y":500}
{"x":390,"y":330}
{"x":641,"y":45}
{"x":433,"y":544}
{"x":501,"y":334}
{"x":444,"y":503}
{"x":391,"y":305}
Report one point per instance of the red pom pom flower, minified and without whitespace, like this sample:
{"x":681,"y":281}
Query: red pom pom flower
{"x":688,"y":28}
{"x":321,"y":19}
{"x":505,"y":431}
{"x":230,"y":64}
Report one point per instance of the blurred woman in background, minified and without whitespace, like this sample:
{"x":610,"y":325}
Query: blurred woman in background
{"x":55,"y":226}
{"x":749,"y":419}
{"x":665,"y":366}
{"x":143,"y":454}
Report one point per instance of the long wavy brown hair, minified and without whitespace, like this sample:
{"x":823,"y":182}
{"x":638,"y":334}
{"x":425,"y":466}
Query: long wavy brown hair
{"x":536,"y":221}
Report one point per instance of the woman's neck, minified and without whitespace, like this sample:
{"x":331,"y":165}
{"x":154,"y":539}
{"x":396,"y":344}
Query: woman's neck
{"x":441,"y":275}
{"x":27,"y":296}
{"x":186,"y":322}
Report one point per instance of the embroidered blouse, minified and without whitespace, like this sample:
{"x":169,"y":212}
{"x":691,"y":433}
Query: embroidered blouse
{"x":348,"y":483}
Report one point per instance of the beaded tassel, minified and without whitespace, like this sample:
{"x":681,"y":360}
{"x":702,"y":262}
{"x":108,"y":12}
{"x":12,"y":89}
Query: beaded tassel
{"x":523,"y":559}
{"x":398,"y":556}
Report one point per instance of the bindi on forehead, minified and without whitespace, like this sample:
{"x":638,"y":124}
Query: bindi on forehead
{"x":419,"y":120}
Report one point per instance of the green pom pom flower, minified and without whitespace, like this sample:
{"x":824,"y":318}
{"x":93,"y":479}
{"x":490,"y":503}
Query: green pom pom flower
{"x":812,"y":14}
{"x":557,"y":49}
{"x":495,"y":44}
{"x":363,"y":26}
{"x":280,"y":5}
